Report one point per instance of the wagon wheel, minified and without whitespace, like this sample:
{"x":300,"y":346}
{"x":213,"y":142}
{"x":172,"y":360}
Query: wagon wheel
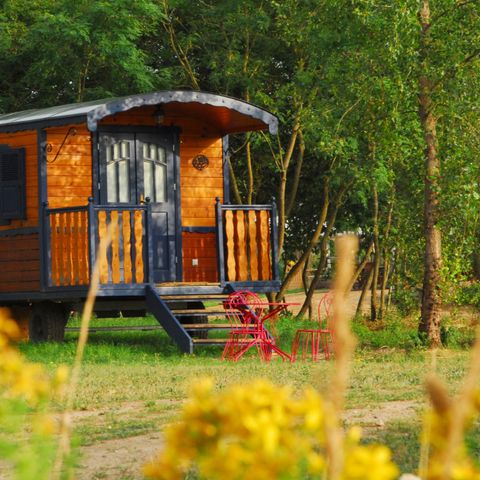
{"x":47,"y":322}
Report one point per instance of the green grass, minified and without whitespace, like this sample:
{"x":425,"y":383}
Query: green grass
{"x":135,"y":382}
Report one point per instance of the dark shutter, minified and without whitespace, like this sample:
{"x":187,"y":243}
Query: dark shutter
{"x":12,"y":183}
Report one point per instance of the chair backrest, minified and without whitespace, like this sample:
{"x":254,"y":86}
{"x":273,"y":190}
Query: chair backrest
{"x":325,"y":316}
{"x":243,"y":307}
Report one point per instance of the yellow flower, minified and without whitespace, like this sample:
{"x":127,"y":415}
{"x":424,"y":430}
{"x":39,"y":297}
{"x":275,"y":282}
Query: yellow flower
{"x":369,"y":462}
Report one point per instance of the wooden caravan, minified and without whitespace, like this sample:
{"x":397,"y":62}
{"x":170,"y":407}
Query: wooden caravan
{"x":155,"y":166}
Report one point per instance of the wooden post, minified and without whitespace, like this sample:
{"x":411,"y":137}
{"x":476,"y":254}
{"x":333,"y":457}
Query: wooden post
{"x":149,"y":240}
{"x":91,"y":235}
{"x":46,"y":277}
{"x":274,"y":240}
{"x":220,"y":242}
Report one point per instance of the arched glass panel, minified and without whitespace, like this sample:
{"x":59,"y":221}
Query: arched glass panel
{"x":118,"y":166}
{"x":155,"y":172}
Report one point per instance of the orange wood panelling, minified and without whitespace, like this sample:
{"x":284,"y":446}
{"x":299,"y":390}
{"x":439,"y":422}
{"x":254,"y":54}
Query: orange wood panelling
{"x":19,"y":263}
{"x":69,"y":175}
{"x":202,"y":247}
{"x":248,"y":247}
{"x":69,"y":248}
{"x":28,"y":140}
{"x":199,"y":188}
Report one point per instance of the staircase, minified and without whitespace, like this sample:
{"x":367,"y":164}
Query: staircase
{"x":186,"y":320}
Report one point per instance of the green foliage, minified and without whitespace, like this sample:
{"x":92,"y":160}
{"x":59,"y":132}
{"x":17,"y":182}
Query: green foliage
{"x":393,"y":333}
{"x":469,"y":294}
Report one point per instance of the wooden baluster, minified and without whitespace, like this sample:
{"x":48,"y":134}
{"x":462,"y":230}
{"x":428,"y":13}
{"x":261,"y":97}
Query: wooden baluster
{"x":252,"y":245}
{"x":81,"y":248}
{"x":241,"y":250}
{"x":138,"y":229}
{"x":61,"y":250}
{"x":75,"y":248}
{"x":80,"y":253}
{"x":127,"y":247}
{"x":264,"y":247}
{"x":102,"y":231}
{"x":68,"y":249}
{"x":54,"y":249}
{"x":269,"y":246}
{"x":115,"y":247}
{"x":230,"y":235}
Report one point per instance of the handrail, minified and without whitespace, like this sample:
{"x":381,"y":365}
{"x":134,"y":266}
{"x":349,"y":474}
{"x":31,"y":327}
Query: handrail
{"x":82,"y":208}
{"x":227,"y":206}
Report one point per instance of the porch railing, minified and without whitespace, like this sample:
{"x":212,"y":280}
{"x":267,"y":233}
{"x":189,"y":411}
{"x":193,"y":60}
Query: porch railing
{"x":74,"y":233}
{"x":247,"y":242}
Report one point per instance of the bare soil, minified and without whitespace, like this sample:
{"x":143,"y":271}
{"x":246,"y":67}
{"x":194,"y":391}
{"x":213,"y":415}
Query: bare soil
{"x":118,"y":459}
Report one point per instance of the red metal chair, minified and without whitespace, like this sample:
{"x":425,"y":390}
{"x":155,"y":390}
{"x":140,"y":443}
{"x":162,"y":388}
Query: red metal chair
{"x":247,"y":315}
{"x":314,"y":339}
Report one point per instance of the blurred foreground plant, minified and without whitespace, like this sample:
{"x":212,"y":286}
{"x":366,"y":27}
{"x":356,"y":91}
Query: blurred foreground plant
{"x":261,"y":431}
{"x":27,"y":428}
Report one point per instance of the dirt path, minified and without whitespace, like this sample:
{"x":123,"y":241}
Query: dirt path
{"x":118,"y":459}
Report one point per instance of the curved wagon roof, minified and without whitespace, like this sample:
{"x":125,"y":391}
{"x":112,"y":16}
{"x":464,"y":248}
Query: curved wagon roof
{"x":227,"y":114}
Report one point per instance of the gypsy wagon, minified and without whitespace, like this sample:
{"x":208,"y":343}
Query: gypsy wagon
{"x":154,"y":165}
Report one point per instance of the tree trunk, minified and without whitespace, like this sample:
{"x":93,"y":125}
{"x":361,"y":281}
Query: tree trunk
{"x":250,"y":173}
{"x":376,"y":263}
{"x":386,"y":259}
{"x":361,"y":266}
{"x":296,"y":175}
{"x":234,"y":183}
{"x":311,"y":245}
{"x":386,"y":273}
{"x":307,"y":304}
{"x":305,"y":283}
{"x":282,"y":187}
{"x":365,"y":289}
{"x":431,"y":298}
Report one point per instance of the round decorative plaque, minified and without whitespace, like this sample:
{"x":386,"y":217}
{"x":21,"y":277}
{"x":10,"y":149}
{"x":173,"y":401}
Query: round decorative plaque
{"x":200,"y":162}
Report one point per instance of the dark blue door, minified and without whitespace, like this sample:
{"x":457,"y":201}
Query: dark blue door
{"x":140,"y":167}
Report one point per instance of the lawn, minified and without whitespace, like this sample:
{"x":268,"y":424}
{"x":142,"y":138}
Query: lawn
{"x":133,"y":383}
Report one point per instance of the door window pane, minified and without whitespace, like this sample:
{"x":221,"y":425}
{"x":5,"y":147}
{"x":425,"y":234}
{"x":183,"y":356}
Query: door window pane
{"x":161,"y":182}
{"x":118,"y":158}
{"x":148,"y":179}
{"x":155,"y":172}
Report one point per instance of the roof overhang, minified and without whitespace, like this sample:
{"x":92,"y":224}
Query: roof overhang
{"x":227,"y":114}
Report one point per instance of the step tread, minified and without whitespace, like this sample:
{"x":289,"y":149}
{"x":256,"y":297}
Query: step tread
{"x":117,"y":328}
{"x":202,"y":297}
{"x":206,"y":326}
{"x":217,"y":341}
{"x":197,"y":312}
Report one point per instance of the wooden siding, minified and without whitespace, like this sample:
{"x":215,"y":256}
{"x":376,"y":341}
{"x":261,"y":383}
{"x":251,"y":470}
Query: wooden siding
{"x":20,"y":263}
{"x":69,"y":175}
{"x":202,"y":247}
{"x":26,"y":139}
